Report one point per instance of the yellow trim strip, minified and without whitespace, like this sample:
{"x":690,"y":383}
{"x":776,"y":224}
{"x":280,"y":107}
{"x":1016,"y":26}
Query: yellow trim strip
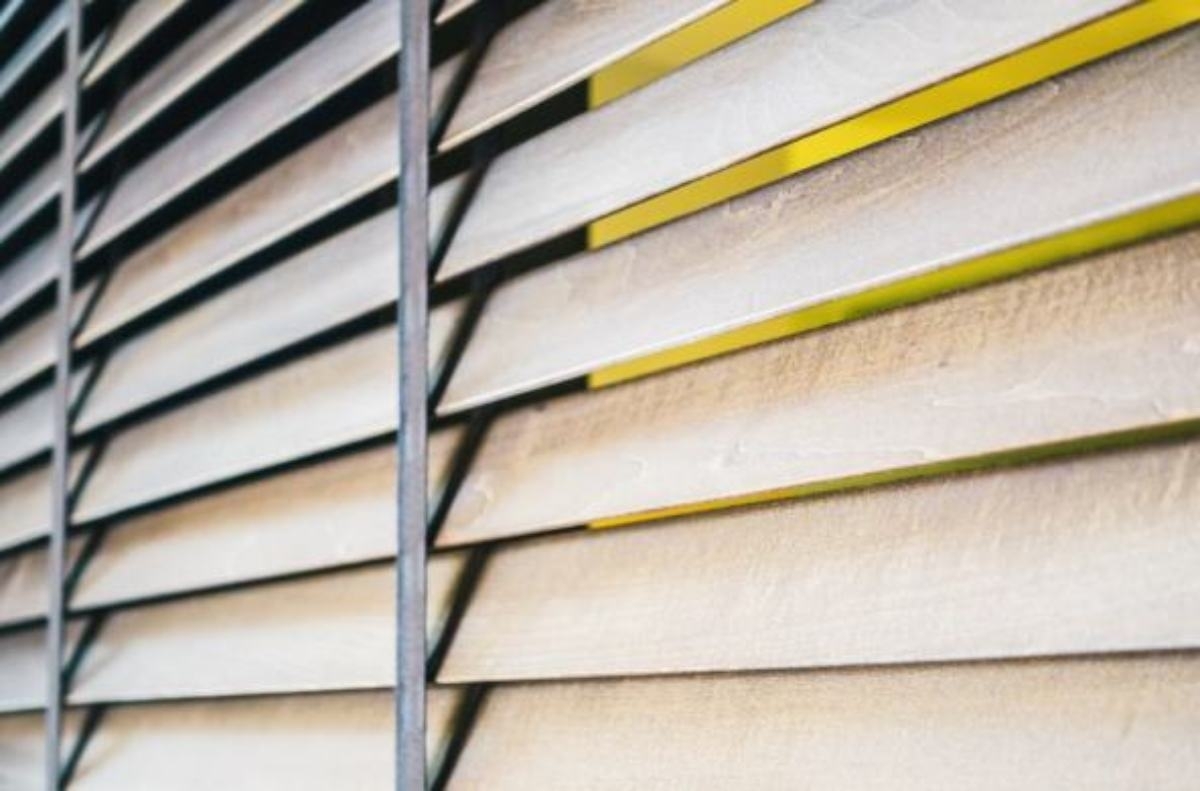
{"x":1155,"y":220}
{"x":687,"y":44}
{"x":1111,"y":441}
{"x":1033,"y":64}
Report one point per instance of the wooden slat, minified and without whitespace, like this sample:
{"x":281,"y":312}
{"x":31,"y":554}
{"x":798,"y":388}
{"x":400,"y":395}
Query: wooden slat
{"x":305,"y":743}
{"x":34,"y":119}
{"x":29,"y":350}
{"x":32,"y":196}
{"x":817,"y":67}
{"x":33,"y":268}
{"x":1098,"y":724}
{"x":346,"y":163}
{"x":1100,"y":346}
{"x":22,"y":749}
{"x":25,"y":427}
{"x":452,"y":8}
{"x":25,"y":502}
{"x":137,"y":22}
{"x":32,"y":48}
{"x":346,"y":51}
{"x":23,"y":590}
{"x":340,"y":279}
{"x":554,"y":46}
{"x":330,"y":632}
{"x":334,"y":513}
{"x":335,"y":397}
{"x":911,"y":208}
{"x":222,"y":37}
{"x":22,"y":669}
{"x":1093,"y":554}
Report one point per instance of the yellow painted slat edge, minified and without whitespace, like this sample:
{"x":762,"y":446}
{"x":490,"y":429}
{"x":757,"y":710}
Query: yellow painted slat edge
{"x":1089,"y":239}
{"x":689,"y":43}
{"x":1021,"y":69}
{"x":1102,"y":442}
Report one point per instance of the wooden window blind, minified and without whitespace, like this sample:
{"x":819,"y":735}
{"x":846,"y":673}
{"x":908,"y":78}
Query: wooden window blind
{"x":553,"y":394}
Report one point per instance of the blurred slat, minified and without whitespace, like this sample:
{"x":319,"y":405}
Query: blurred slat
{"x":1104,"y":345}
{"x":452,"y":8}
{"x":30,"y":197}
{"x":17,"y":63}
{"x":346,"y":163}
{"x":22,"y":750}
{"x":23,"y":591}
{"x":305,"y":743}
{"x":29,"y":349}
{"x":1094,"y":554}
{"x":22,"y":669}
{"x":25,"y":426}
{"x":819,"y":66}
{"x":555,"y":45}
{"x":227,"y":33}
{"x":1099,"y":724}
{"x":340,"y":279}
{"x":346,"y":51}
{"x":328,"y":632}
{"x":910,"y":208}
{"x":25,"y":501}
{"x":34,"y":119}
{"x":333,"y":513}
{"x":137,"y":22}
{"x":321,"y":402}
{"x":33,"y":269}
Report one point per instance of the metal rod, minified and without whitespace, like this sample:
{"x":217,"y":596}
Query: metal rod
{"x":412,"y":308}
{"x":60,"y":513}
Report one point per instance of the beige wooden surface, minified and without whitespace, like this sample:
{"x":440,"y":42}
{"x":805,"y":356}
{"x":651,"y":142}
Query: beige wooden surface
{"x":1099,"y":724}
{"x":346,"y":163}
{"x":22,"y":669}
{"x":333,"y":513}
{"x":339,"y":395}
{"x":339,"y":279}
{"x":28,"y":349}
{"x":24,"y":505}
{"x":22,"y":752}
{"x":904,"y":209}
{"x":23,"y":590}
{"x":1094,"y":554}
{"x":289,"y":743}
{"x":328,"y":632}
{"x":228,"y":32}
{"x":1103,"y":345}
{"x":341,"y":54}
{"x":555,"y":45}
{"x":136,"y":23}
{"x":824,"y":64}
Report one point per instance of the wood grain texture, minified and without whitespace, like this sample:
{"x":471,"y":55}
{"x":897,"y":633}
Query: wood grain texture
{"x":340,"y":279}
{"x":22,"y":670}
{"x":908,"y":208}
{"x":1107,"y":344}
{"x":324,"y":401}
{"x":334,"y":513}
{"x":824,"y":64}
{"x":1094,"y":554}
{"x":23,"y":591}
{"x":137,"y":22}
{"x":346,"y":163}
{"x":334,"y":631}
{"x":304,"y":743}
{"x":555,"y":45}
{"x":228,"y":32}
{"x":1098,"y":724}
{"x":344,"y":52}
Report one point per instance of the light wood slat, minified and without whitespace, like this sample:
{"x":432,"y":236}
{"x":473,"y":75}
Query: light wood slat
{"x":23,"y":589}
{"x":346,"y":51}
{"x":138,"y":21}
{"x":324,"y":401}
{"x":25,"y":427}
{"x":33,"y":268}
{"x":329,"y":632}
{"x":229,"y":32}
{"x":1094,"y":554}
{"x":32,"y":48}
{"x":346,"y":163}
{"x":1096,"y":724}
{"x":22,"y":752}
{"x":1104,"y":345}
{"x":554,"y":46}
{"x":913,"y":207}
{"x":305,"y":743}
{"x":822,"y":65}
{"x":25,"y":501}
{"x":342,"y":278}
{"x":452,"y":8}
{"x":334,"y":513}
{"x":22,"y":670}
{"x":29,"y":350}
